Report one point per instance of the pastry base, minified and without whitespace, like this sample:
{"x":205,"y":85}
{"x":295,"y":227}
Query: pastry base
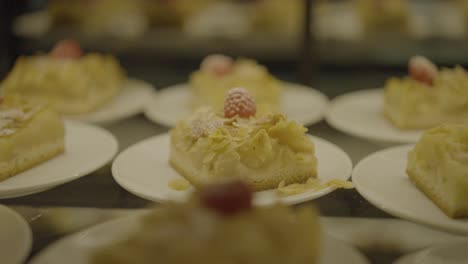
{"x":437,"y":197}
{"x":31,"y":158}
{"x":182,"y":164}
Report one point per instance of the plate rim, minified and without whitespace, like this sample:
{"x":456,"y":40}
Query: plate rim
{"x":26,"y":229}
{"x":26,"y":190}
{"x":418,"y":256}
{"x":137,"y":84}
{"x":331,"y":119}
{"x":288,"y":200}
{"x":390,"y":210}
{"x":149,"y":113}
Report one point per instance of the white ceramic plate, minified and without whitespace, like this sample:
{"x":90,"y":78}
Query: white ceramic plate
{"x":78,"y":248}
{"x":15,"y":237}
{"x":447,"y":253}
{"x":301,"y":103}
{"x":382,"y":180}
{"x":130,"y":101}
{"x":143,"y":169}
{"x":87,"y":148}
{"x":361,"y":114}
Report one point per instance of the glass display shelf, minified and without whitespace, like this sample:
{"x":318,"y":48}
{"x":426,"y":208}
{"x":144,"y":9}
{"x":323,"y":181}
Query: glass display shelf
{"x":346,"y":215}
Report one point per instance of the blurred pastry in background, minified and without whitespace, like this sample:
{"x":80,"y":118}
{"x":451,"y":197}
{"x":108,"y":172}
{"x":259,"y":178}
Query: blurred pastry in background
{"x":118,"y":18}
{"x":223,"y":19}
{"x":463,"y":5}
{"x":276,"y":17}
{"x":438,"y":167}
{"x":383,"y":15}
{"x":30,"y":134}
{"x":238,"y":19}
{"x":219,"y":73}
{"x":336,"y":20}
{"x":427,"y":97}
{"x":173,"y":13}
{"x":262,"y":150}
{"x":219,"y":225}
{"x":74,"y":82}
{"x":67,"y":13}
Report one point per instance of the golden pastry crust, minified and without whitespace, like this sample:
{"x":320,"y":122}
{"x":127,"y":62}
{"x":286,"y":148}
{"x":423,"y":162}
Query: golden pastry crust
{"x":29,"y":160}
{"x":437,"y":166}
{"x":410,"y":104}
{"x":73,"y":86}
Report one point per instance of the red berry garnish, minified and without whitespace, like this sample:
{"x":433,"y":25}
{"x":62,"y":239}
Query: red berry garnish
{"x":423,"y":70}
{"x":226,"y":198}
{"x":239,"y":103}
{"x":67,"y":49}
{"x":217,"y":64}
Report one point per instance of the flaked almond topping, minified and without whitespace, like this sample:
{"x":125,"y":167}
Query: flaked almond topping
{"x":422,"y":69}
{"x":239,"y":103}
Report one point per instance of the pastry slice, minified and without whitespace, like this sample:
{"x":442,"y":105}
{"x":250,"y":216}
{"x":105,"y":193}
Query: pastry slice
{"x":29,"y":134}
{"x":427,"y":97}
{"x":379,"y":16}
{"x":262,"y":151}
{"x":438,"y":167}
{"x":218,"y":226}
{"x":73,"y":83}
{"x":410,"y":104}
{"x":219,"y":73}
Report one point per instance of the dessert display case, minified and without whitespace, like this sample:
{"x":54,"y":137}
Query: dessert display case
{"x":331,"y":64}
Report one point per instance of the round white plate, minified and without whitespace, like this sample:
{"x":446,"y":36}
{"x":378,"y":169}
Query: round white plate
{"x":143,"y":169}
{"x":131,"y":100}
{"x":87,"y":148}
{"x":301,"y":103}
{"x":78,"y":248}
{"x":447,"y":253}
{"x":15,"y":237}
{"x":382,"y":180}
{"x":361,"y":114}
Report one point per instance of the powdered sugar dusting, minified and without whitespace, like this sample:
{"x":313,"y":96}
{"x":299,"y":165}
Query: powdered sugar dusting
{"x":205,"y":122}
